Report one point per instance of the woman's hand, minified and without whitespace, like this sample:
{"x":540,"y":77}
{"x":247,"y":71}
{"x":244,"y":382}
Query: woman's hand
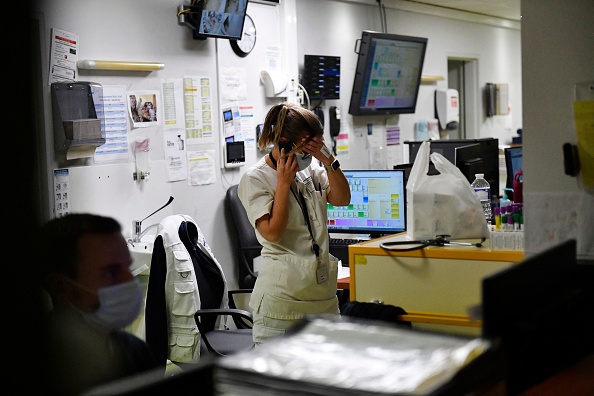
{"x":286,"y":168}
{"x":317,"y":148}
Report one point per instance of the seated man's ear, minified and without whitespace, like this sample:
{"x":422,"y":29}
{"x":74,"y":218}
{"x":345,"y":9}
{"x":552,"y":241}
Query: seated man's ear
{"x":58,"y":287}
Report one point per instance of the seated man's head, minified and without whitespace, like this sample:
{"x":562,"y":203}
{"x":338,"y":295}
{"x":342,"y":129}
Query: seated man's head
{"x":87,"y":267}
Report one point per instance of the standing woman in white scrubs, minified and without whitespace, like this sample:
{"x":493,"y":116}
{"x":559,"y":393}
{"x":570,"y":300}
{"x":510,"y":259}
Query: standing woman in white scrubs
{"x":285,"y":195}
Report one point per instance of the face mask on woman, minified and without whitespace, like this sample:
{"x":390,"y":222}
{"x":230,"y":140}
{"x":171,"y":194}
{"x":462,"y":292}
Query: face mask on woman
{"x":303,"y":160}
{"x":119,"y":305}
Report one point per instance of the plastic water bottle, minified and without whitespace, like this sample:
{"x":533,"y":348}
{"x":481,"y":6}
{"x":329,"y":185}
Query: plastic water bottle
{"x":482,"y":189}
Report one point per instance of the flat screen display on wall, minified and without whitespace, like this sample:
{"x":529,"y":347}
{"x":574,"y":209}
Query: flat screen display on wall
{"x":220,"y":18}
{"x":388,"y":74}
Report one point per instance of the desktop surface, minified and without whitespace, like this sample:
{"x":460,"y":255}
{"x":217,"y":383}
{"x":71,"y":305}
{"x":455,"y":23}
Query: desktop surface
{"x":339,"y":245}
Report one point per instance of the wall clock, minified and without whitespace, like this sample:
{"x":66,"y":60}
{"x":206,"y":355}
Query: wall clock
{"x":247,"y":42}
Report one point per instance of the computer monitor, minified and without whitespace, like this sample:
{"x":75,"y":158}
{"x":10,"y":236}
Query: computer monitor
{"x":407,"y":167}
{"x":447,"y":148}
{"x":513,"y":163}
{"x":377,"y":207}
{"x":468,"y":159}
{"x":388,"y":74}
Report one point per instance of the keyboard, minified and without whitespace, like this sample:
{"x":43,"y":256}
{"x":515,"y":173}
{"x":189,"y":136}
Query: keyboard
{"x":345,"y":241}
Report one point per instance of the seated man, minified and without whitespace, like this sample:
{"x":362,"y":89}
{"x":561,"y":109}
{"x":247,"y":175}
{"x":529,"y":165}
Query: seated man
{"x":85,"y":269}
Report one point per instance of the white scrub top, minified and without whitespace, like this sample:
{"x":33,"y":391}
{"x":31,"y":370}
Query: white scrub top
{"x":287,"y":285}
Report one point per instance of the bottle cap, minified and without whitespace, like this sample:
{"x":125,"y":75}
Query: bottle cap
{"x":496,"y":210}
{"x":516,"y":218}
{"x":510,"y":219}
{"x":479,"y":175}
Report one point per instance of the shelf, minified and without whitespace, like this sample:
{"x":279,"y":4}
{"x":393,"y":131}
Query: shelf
{"x":428,"y":79}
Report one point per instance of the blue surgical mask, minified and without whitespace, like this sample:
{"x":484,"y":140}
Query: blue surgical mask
{"x":119,"y":305}
{"x":303,"y":160}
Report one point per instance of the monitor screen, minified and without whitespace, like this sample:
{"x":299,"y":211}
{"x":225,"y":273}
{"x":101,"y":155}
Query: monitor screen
{"x":513,"y":163}
{"x":469,"y":160}
{"x":377,"y":207}
{"x":447,"y":147}
{"x":221,"y":18}
{"x":388,"y":74}
{"x":321,"y":76}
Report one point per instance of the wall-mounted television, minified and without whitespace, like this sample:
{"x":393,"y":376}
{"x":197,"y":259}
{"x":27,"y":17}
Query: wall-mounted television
{"x":219,"y":19}
{"x":377,"y":207}
{"x":388,"y":74}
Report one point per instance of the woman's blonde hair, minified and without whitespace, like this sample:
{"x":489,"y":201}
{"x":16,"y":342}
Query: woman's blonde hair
{"x":290,"y":121}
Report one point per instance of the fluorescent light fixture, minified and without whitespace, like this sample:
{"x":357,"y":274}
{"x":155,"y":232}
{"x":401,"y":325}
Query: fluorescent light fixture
{"x":90,"y":64}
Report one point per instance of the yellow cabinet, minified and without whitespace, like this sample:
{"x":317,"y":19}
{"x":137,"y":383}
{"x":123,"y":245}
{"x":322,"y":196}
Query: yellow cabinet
{"x":436,"y":285}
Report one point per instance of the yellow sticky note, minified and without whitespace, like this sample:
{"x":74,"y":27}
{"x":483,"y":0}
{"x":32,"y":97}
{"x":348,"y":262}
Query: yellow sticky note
{"x":584,"y":124}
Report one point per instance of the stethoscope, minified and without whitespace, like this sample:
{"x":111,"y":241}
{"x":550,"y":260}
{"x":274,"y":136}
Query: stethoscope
{"x":440,"y":240}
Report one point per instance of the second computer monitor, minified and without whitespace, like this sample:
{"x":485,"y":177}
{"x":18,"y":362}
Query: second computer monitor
{"x":377,"y":207}
{"x":447,"y":148}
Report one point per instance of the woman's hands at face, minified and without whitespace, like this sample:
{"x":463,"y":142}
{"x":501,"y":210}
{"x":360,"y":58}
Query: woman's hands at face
{"x":315,"y":147}
{"x":286,"y":167}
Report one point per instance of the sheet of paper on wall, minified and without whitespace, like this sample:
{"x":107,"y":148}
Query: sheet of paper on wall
{"x":173,"y":103}
{"x":115,"y":128}
{"x":248,"y":128}
{"x":556,"y":217}
{"x":394,"y":146}
{"x":201,"y":169}
{"x":61,"y":192}
{"x":583,"y":112}
{"x":176,"y":164}
{"x":198,"y":110}
{"x":233,"y":84}
{"x":342,"y":141}
{"x":64,"y":54}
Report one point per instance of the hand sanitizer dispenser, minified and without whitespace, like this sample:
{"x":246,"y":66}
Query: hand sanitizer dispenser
{"x":447,"y":109}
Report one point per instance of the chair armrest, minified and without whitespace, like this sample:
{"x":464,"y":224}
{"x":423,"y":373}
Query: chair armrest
{"x":237,"y":314}
{"x":240,"y":316}
{"x":224,"y":311}
{"x":239,"y":322}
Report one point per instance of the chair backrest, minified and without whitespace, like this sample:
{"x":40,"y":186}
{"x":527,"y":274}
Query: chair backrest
{"x":181,"y":281}
{"x":249,"y":246}
{"x":211,"y":284}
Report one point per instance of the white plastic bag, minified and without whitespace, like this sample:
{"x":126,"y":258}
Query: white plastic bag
{"x":443,"y":204}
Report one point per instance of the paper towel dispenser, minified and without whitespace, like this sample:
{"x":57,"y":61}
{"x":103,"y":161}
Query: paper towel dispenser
{"x":275,"y":83}
{"x":447,"y":109}
{"x":78,"y":114}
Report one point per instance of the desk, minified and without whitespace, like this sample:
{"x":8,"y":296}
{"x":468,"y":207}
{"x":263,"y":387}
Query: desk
{"x":575,"y":380}
{"x":436,"y":285}
{"x":344,"y":283}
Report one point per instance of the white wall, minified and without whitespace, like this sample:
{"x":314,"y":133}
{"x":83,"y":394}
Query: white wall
{"x":332,"y":27}
{"x":557,"y":53}
{"x":148,"y":31}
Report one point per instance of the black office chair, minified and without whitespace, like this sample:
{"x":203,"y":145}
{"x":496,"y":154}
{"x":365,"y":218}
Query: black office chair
{"x":249,"y":246}
{"x":211,"y":286}
{"x":177,"y":280}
